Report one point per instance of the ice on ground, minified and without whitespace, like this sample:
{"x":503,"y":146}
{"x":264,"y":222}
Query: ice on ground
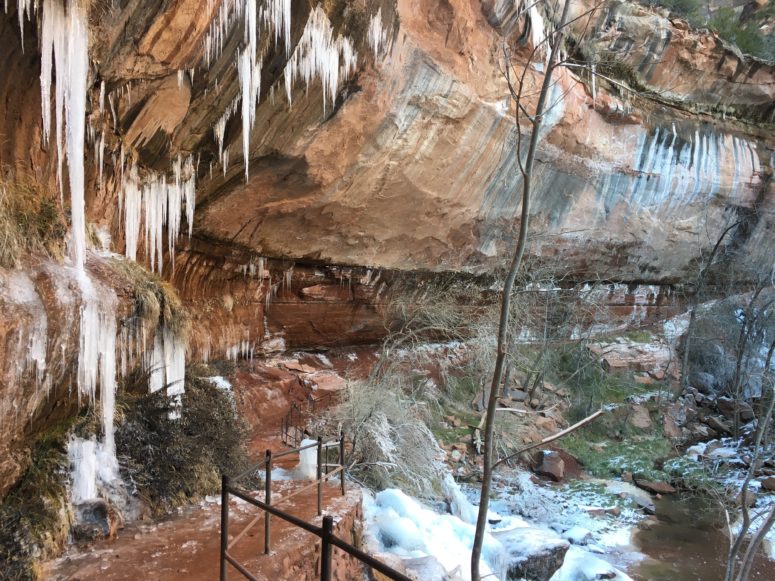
{"x":220,"y":382}
{"x":398,"y":524}
{"x":578,"y":535}
{"x":579,"y":565}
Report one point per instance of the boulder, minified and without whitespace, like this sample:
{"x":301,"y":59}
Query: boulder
{"x":95,"y":519}
{"x":533,"y":553}
{"x":750,"y":498}
{"x":769,"y":483}
{"x":654,"y":486}
{"x":718,"y":425}
{"x":546,"y":424}
{"x":552,"y":466}
{"x":645,"y":505}
{"x":704,"y":382}
{"x":640,"y":418}
{"x":726,"y":406}
{"x":518,"y":395}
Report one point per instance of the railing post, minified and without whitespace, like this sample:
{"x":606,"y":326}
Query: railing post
{"x":320,"y":475}
{"x":224,"y":523}
{"x":268,"y":500}
{"x":325,"y":548}
{"x":341,"y":459}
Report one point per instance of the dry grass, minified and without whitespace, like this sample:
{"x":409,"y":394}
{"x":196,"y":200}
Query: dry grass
{"x":156,"y":300}
{"x":31,"y":222}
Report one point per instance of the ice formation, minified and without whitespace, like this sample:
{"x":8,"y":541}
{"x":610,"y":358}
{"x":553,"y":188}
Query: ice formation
{"x":274,"y":15}
{"x":580,"y":565}
{"x":166,"y":365}
{"x":220,"y":132}
{"x":320,"y":55}
{"x":157,"y":204}
{"x":250,"y":83}
{"x":378,"y":36}
{"x":245,"y":349}
{"x":29,"y":351}
{"x":83,"y":469}
{"x":399,"y":524}
{"x":308,"y":461}
{"x":64,"y":48}
{"x":65,"y":36}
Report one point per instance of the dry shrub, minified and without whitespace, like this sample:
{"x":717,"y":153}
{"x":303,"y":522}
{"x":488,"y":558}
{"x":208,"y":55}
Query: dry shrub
{"x":392,"y":445}
{"x":30,"y":222}
{"x":170,"y":462}
{"x":156,"y":300}
{"x":35,"y":516}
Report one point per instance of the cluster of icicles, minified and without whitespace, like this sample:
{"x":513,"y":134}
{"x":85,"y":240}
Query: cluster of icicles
{"x":150,"y":203}
{"x":64,"y":44}
{"x":319,"y":55}
{"x":153,"y":204}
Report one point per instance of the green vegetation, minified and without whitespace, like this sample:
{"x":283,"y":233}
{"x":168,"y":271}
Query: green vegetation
{"x":34,"y":517}
{"x":692,"y":475}
{"x":172,"y":462}
{"x":591,"y":386}
{"x":746,"y":36}
{"x":607,"y":457}
{"x":30,"y":222}
{"x":639,"y":336}
{"x":725,"y":22}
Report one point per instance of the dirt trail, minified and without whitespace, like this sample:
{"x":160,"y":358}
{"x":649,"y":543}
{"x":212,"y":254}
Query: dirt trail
{"x":188,"y":544}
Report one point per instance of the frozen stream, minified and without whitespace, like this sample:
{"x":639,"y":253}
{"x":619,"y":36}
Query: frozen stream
{"x":598,"y":519}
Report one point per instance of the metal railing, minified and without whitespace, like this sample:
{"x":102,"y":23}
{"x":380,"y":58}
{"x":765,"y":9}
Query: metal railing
{"x":325,"y":533}
{"x":291,"y":430}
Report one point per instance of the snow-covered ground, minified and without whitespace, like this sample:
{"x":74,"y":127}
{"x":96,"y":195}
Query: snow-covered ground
{"x":555,"y":517}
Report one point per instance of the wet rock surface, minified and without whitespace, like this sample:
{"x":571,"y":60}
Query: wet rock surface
{"x":532,"y":553}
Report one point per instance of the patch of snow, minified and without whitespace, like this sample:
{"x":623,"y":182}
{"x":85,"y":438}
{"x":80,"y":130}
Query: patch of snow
{"x":220,"y":382}
{"x":398,"y":524}
{"x":580,"y":565}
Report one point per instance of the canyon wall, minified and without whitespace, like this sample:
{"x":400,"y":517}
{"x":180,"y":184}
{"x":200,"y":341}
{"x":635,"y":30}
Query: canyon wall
{"x":282,"y":173}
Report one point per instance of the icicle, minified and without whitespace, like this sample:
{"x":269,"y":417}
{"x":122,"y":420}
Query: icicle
{"x":102,"y":97}
{"x":318,"y":55}
{"x":276,"y":16}
{"x":100,"y":157}
{"x":220,"y":131}
{"x":378,"y":37}
{"x":158,"y":204}
{"x":250,"y":84}
{"x":75,"y":107}
{"x":244,"y":81}
{"x":167,"y":366}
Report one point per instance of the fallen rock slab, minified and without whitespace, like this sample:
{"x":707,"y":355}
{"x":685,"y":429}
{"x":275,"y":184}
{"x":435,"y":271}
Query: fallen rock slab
{"x":769,"y":483}
{"x":533,"y":553}
{"x":654,"y":486}
{"x":552,"y":466}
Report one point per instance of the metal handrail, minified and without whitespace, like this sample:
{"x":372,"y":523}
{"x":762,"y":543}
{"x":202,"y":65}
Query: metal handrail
{"x":325,"y":532}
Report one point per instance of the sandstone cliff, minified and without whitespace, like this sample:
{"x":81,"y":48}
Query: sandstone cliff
{"x":355,"y":139}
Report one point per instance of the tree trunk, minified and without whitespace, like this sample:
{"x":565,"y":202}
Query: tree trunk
{"x":503,"y":331}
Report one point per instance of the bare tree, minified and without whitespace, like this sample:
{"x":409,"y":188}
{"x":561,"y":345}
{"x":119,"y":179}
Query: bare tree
{"x":555,"y":40}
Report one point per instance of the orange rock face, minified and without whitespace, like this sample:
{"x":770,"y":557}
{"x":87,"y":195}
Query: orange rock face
{"x":408,"y":162}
